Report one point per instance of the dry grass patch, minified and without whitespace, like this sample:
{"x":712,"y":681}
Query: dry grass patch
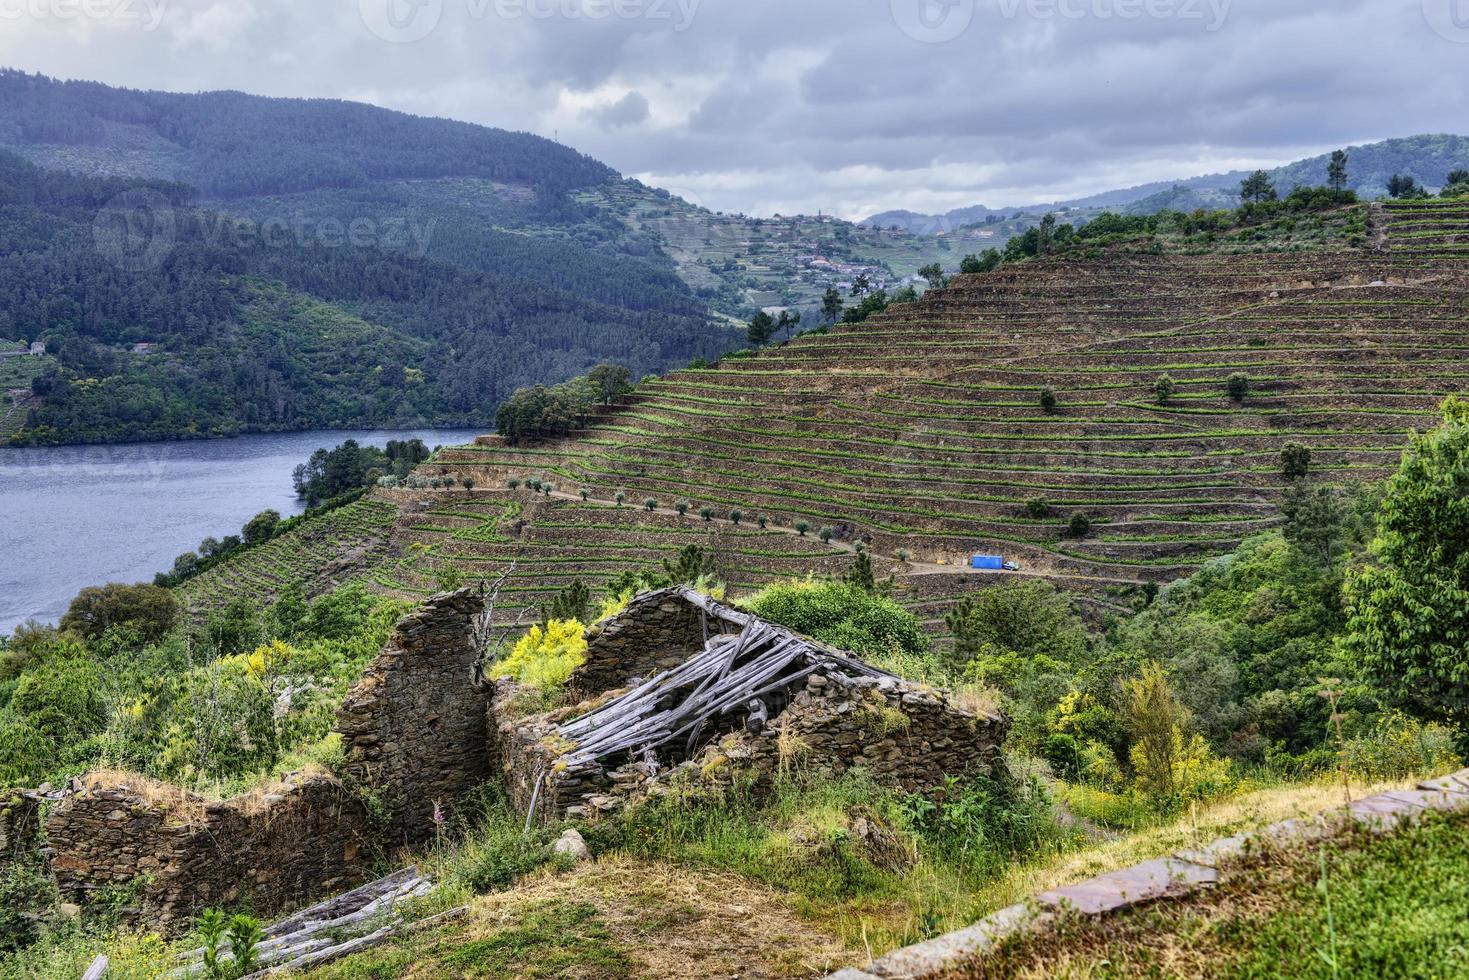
{"x":616,"y":918}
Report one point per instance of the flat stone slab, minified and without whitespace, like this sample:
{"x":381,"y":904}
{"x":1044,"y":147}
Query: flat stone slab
{"x":945,"y":952}
{"x":1455,"y":783}
{"x":1140,"y":883}
{"x":1431,"y":799}
{"x":1213,"y":854}
{"x":1383,"y":811}
{"x":1297,"y":831}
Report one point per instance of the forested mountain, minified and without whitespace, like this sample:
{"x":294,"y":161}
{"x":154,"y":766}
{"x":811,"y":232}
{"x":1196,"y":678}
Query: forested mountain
{"x":241,"y":331}
{"x":229,"y":144}
{"x":308,"y":263}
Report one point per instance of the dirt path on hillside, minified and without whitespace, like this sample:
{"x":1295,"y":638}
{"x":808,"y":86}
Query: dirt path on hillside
{"x":907,"y":569}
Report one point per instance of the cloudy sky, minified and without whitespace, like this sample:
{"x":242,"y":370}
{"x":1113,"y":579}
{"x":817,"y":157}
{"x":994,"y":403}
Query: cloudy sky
{"x":845,"y":106}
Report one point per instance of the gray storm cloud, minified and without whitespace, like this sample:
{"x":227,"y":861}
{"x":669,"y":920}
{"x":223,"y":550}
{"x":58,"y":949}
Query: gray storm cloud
{"x":846,"y":106}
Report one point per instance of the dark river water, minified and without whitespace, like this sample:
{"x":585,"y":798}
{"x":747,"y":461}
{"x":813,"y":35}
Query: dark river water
{"x":87,"y":515}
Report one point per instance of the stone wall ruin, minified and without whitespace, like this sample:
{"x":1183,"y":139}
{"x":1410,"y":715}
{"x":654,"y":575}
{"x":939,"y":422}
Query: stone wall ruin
{"x":415,"y":733}
{"x":820,"y":712}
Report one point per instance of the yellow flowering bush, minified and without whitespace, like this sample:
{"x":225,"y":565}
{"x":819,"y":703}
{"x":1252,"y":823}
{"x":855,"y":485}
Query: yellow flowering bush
{"x":545,"y":657}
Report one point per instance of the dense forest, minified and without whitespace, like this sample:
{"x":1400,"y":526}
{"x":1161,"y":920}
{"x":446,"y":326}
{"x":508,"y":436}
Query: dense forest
{"x":202,"y":265}
{"x":229,"y":144}
{"x":247,"y":332}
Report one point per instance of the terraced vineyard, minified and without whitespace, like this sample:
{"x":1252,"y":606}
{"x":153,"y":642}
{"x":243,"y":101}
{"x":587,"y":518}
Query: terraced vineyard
{"x":921,"y":434}
{"x":323,"y":552}
{"x":548,"y":543}
{"x":922,"y":430}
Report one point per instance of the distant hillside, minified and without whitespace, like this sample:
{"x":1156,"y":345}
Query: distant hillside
{"x":1427,"y":158}
{"x":229,"y":144}
{"x":480,"y":200}
{"x":220,"y":331}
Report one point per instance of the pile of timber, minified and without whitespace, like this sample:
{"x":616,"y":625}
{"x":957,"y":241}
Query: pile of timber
{"x":359,"y":919}
{"x":752,"y":673}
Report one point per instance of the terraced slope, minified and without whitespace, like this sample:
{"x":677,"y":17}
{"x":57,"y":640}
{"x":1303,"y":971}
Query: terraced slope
{"x":921,"y":433}
{"x":922,"y":429}
{"x":323,"y":552}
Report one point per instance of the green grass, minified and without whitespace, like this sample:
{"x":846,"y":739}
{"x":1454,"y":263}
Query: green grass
{"x":1390,"y":907}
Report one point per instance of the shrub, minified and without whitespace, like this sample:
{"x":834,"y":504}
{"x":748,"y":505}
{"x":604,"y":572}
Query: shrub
{"x":620,"y":497}
{"x":682,"y":507}
{"x":1038,"y":507}
{"x":572,"y":602}
{"x":903,"y":555}
{"x":736,"y":516}
{"x":650,"y":504}
{"x":534,"y":484}
{"x":260,"y":527}
{"x":1079,"y":526}
{"x":1002,"y":635}
{"x":845,"y":616}
{"x":1295,"y":461}
{"x":707,"y":513}
{"x":545,"y":657}
{"x":150,"y":610}
{"x":802,"y":527}
{"x":860,"y":573}
{"x":448,"y":577}
{"x":1048,"y":400}
{"x":586,"y":494}
{"x":499,"y":853}
{"x":1399,"y":747}
{"x":826,"y":534}
{"x":513,"y":483}
{"x":1155,"y":719}
{"x":692,"y":564}
{"x":26,"y":893}
{"x":467,"y":483}
{"x":1163,"y":389}
{"x":762,"y":520}
{"x":1238,"y":385}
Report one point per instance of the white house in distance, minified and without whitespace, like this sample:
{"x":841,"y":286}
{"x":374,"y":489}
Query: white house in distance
{"x":38,"y":349}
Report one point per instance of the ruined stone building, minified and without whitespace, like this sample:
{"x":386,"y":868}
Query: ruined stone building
{"x":685,"y":694}
{"x":679,"y":693}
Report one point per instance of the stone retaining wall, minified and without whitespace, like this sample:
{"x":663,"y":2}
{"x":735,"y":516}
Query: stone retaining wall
{"x":414,"y":725}
{"x":267,"y":851}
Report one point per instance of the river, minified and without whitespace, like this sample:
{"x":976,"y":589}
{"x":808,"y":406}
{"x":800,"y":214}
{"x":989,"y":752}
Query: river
{"x":76,"y":516}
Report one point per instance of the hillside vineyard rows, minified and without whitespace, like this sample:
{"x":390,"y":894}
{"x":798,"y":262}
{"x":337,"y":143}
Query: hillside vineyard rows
{"x":921,"y":432}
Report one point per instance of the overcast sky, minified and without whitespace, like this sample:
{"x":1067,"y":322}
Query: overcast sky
{"x":846,"y":106}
